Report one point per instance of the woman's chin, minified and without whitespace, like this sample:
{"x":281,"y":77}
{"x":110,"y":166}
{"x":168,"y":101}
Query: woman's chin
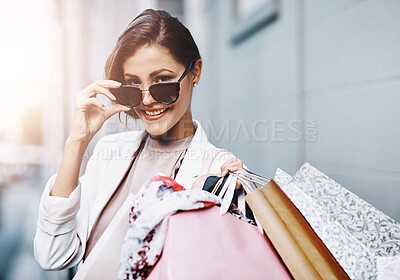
{"x":156,"y":128}
{"x":166,"y":126}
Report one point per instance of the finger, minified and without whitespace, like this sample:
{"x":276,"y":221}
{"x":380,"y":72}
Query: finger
{"x":96,"y":89}
{"x":230,"y":168}
{"x":230,"y":162}
{"x":94,"y":101}
{"x":101,"y":83}
{"x":116,"y":109}
{"x":224,"y":171}
{"x":238,"y":163}
{"x":108,"y":83}
{"x":227,"y":163}
{"x":234,"y":168}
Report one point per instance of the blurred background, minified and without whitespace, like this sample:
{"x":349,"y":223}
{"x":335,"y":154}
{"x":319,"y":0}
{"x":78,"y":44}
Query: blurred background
{"x":283,"y":82}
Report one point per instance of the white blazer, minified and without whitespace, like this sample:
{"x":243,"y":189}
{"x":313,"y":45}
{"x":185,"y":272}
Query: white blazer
{"x":64,"y":224}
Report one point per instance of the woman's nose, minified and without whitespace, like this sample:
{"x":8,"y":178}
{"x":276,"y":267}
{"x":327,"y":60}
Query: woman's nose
{"x":147,"y":98}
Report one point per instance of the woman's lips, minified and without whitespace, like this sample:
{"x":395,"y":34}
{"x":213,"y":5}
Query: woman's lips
{"x":152,"y":115}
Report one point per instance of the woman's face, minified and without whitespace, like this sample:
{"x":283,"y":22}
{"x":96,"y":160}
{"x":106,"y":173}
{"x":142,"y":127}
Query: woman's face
{"x":154,"y":64}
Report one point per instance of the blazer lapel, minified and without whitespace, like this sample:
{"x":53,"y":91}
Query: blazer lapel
{"x":117,"y":170}
{"x":193,"y":161}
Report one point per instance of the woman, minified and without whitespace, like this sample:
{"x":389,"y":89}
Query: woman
{"x":150,"y":75}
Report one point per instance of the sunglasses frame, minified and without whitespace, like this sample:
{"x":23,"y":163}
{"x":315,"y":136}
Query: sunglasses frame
{"x":177,"y":84}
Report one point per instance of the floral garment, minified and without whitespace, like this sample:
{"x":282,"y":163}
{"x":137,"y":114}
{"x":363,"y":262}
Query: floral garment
{"x":155,"y":203}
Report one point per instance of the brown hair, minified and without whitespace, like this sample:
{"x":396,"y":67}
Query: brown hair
{"x":151,"y":28}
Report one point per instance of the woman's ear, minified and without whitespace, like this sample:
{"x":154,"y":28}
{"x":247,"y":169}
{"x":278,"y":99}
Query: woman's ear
{"x":196,"y":72}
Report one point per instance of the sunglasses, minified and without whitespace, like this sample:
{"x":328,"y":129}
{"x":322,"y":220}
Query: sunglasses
{"x":164,"y":93}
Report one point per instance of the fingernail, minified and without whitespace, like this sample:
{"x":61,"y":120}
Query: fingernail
{"x":116,"y":83}
{"x":113,"y":97}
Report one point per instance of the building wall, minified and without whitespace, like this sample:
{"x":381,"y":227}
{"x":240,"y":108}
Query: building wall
{"x":330,"y":69}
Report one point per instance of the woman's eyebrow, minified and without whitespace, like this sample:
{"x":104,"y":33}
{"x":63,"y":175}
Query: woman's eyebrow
{"x":130,"y":75}
{"x":152,"y":74}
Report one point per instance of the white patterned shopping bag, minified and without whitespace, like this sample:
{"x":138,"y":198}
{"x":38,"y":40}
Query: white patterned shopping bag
{"x":364,"y":240}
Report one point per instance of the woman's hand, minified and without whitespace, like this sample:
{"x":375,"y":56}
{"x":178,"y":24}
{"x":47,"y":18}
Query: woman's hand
{"x":233,"y":164}
{"x":90,"y":114}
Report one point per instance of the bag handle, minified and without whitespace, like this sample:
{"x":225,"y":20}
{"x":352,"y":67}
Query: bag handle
{"x":249,"y":180}
{"x":252,"y":177}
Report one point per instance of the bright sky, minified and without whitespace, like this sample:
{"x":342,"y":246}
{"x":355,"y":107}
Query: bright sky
{"x":25,"y":47}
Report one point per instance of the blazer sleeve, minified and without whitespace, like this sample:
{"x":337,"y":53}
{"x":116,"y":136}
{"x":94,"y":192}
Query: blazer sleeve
{"x":62,"y":226}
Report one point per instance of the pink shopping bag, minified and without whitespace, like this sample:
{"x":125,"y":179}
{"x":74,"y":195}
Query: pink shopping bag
{"x":202,"y":244}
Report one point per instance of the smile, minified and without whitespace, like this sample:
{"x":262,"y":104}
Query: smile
{"x":155,"y":113}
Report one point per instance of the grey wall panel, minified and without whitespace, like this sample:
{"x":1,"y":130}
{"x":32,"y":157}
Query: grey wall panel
{"x":318,"y":11}
{"x":359,"y":44}
{"x":357,"y":128}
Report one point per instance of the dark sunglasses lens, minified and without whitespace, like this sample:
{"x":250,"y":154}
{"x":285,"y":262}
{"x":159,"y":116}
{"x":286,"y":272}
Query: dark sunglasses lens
{"x":127,"y":96}
{"x":165,"y":93}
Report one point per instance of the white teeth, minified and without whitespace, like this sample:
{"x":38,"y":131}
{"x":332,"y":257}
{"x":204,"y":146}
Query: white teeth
{"x":154,"y":113}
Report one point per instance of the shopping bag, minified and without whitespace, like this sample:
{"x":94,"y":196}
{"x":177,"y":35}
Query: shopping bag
{"x":203,"y":244}
{"x":364,"y":241}
{"x":303,"y":253}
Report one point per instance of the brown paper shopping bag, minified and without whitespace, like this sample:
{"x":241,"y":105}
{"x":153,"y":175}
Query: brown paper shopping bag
{"x":299,"y":247}
{"x":302,"y":251}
